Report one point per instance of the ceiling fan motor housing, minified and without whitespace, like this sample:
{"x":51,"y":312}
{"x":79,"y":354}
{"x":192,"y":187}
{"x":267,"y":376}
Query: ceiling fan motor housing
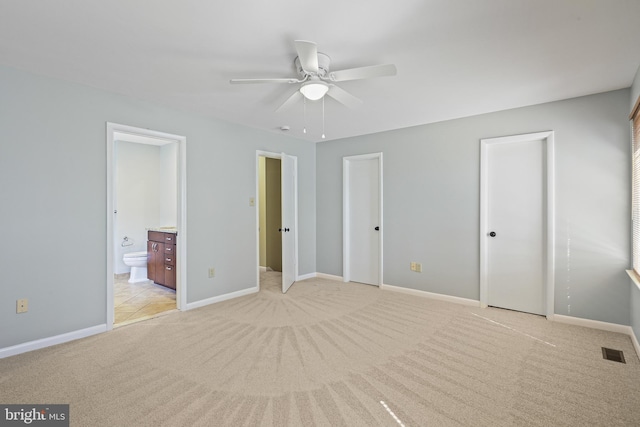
{"x":323,"y":66}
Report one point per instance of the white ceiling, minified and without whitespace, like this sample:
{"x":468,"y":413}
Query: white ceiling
{"x":455,"y":58}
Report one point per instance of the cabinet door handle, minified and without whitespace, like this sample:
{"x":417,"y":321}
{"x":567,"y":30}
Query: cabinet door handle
{"x":167,"y":238}
{"x":167,"y":267}
{"x":167,"y":259}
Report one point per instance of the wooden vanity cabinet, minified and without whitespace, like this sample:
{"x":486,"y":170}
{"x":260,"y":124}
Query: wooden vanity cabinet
{"x":161,"y":263}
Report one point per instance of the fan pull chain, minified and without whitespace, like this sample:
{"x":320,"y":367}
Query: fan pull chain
{"x":323,"y":117}
{"x":304,"y":109}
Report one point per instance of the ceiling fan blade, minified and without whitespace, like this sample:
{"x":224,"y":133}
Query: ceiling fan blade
{"x":308,"y":55}
{"x":251,"y":81}
{"x":290,"y":101}
{"x":363,"y":72}
{"x":344,"y":97}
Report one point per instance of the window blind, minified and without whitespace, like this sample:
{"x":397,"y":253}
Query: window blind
{"x":635,"y":185}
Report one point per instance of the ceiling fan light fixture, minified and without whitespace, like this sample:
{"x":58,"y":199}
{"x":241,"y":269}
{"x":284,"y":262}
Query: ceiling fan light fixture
{"x":314,"y":90}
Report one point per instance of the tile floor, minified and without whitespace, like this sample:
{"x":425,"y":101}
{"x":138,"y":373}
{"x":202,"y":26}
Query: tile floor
{"x":139,"y":301}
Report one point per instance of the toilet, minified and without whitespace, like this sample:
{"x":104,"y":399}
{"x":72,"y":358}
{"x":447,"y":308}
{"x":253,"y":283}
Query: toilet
{"x":138,"y":263}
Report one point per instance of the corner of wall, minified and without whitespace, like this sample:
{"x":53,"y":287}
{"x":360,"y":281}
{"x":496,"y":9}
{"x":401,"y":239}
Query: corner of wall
{"x":635,"y":88}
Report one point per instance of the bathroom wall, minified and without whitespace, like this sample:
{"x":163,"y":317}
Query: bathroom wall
{"x":138,"y":196}
{"x":168,"y":183}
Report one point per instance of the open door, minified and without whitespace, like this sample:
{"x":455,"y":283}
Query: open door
{"x":288,"y":230}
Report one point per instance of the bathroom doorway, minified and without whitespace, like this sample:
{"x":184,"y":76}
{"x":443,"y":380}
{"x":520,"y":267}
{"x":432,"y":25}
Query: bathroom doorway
{"x":145,"y":204}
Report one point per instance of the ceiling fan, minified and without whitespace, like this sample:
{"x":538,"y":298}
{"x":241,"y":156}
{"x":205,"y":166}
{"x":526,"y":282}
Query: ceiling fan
{"x":317,"y":80}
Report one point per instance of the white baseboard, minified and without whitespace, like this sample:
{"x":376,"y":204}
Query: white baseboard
{"x":431,"y":295}
{"x":263,"y":269}
{"x":220,"y":298}
{"x":593,"y":324}
{"x":49,"y":341}
{"x":635,"y":342}
{"x":307,"y":276}
{"x":329,"y":276}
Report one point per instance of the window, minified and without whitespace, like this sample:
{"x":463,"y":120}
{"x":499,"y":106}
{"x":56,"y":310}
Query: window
{"x":635,"y":185}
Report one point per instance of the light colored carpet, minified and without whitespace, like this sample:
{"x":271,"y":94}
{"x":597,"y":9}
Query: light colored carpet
{"x":328,"y":353}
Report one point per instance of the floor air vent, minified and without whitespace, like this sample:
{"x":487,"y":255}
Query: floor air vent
{"x":614,"y":355}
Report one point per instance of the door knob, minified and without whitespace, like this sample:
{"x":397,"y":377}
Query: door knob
{"x":492,"y":234}
{"x":377,"y":228}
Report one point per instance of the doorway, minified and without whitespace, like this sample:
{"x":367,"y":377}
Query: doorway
{"x":277,"y":219}
{"x":362,"y":219}
{"x":270,"y":206}
{"x":517,"y":223}
{"x":145,"y":190}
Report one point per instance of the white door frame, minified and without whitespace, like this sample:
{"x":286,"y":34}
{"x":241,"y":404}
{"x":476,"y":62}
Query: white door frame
{"x":272,"y":155}
{"x":181,"y":262}
{"x":346,"y":244}
{"x":548,"y":140}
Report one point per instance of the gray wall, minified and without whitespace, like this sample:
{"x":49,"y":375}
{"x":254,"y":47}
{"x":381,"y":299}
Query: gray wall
{"x":431,"y":201}
{"x":53,"y":201}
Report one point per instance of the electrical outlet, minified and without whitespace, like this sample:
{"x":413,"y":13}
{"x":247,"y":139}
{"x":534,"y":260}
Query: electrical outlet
{"x":418,"y":268}
{"x":252,"y":201}
{"x":413,"y":266}
{"x":212,"y":272}
{"x":22,"y":305}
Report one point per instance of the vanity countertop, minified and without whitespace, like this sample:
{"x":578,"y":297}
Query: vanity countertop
{"x":172,"y":230}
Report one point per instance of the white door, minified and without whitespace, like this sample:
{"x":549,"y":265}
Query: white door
{"x":515,"y":227}
{"x":288,"y":230}
{"x":363,"y":219}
